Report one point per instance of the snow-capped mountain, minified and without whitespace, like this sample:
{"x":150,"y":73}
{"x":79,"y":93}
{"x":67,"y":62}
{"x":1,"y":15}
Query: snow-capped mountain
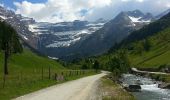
{"x":112,"y":32}
{"x":69,"y":40}
{"x":137,"y":17}
{"x":40,"y":35}
{"x":63,"y":34}
{"x":19,"y":23}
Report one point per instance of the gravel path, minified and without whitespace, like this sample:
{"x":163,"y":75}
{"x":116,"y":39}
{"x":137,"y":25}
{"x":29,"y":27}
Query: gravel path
{"x":81,"y":89}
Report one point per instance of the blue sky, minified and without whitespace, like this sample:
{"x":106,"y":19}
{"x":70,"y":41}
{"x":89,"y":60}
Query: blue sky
{"x":70,"y":10}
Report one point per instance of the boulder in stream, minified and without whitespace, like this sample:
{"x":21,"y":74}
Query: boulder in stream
{"x":133,"y":88}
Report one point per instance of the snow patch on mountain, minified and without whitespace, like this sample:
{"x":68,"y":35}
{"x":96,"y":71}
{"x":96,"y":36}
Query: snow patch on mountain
{"x":58,"y":44}
{"x":98,"y":24}
{"x":135,"y":19}
{"x":3,"y":17}
{"x":36,"y":29}
{"x":64,"y":34}
{"x":32,"y":28}
{"x":81,"y":32}
{"x":138,"y":20}
{"x":54,"y":58}
{"x":24,"y":37}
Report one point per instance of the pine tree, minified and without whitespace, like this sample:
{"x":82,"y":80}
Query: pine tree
{"x":9,"y":43}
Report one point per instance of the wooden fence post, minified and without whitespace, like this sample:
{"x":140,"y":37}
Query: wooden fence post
{"x":66,"y":74}
{"x":62,"y":76}
{"x":77,"y":72}
{"x":70,"y":73}
{"x":20,"y":79}
{"x":49,"y":72}
{"x":42,"y":74}
{"x":4,"y":81}
{"x":21,"y":76}
{"x":56,"y":77}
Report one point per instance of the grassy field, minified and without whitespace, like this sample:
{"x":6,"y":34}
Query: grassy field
{"x":159,"y":60}
{"x":152,"y":59}
{"x":113,"y":91}
{"x":163,"y":78}
{"x":29,"y":72}
{"x":28,"y":60}
{"x":159,"y":54}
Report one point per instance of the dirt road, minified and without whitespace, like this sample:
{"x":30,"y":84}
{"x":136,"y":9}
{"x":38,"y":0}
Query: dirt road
{"x":81,"y":89}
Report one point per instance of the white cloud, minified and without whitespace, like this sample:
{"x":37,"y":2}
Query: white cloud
{"x":69,"y":10}
{"x":59,"y":10}
{"x":133,"y":0}
{"x":109,"y":12}
{"x":168,"y":5}
{"x":28,"y":8}
{"x":2,"y":5}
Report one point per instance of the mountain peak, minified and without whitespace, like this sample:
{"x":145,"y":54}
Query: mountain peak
{"x":121,"y":17}
{"x":135,"y":13}
{"x":135,"y":16}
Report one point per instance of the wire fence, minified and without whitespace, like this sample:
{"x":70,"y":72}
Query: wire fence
{"x":29,"y":77}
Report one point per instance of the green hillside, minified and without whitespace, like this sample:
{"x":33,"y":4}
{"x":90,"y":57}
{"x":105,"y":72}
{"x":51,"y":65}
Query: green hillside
{"x":29,"y":72}
{"x":148,"y":47}
{"x":159,"y":53}
{"x":28,"y":61}
{"x":25,"y":74}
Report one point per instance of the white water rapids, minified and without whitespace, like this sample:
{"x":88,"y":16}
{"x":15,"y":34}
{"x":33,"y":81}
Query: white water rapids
{"x":149,"y":91}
